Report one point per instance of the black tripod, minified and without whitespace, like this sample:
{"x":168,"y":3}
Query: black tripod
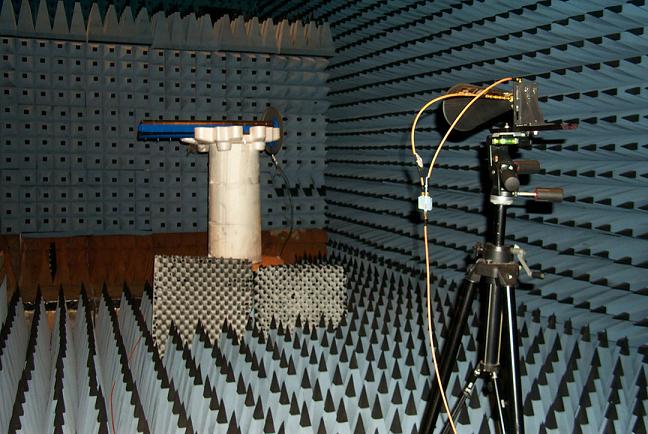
{"x":495,"y":265}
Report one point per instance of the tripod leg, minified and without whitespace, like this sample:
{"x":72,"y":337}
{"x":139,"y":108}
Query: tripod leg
{"x":514,"y":385}
{"x":493,"y":332}
{"x":465,"y":297}
{"x":499,"y":403}
{"x":471,"y":379}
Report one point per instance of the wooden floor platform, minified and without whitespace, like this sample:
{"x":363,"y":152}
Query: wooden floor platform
{"x":117,"y":259}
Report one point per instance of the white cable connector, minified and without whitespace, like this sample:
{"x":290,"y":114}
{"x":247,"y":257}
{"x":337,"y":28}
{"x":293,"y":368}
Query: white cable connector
{"x":425,"y":202}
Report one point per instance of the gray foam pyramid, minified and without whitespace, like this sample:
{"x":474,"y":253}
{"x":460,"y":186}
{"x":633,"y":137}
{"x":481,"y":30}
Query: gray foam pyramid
{"x":162,"y":31}
{"x":371,"y":373}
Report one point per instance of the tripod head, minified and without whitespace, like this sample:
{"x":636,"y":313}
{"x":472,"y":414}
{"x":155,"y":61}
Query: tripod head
{"x":527,"y":123}
{"x":504,"y":171}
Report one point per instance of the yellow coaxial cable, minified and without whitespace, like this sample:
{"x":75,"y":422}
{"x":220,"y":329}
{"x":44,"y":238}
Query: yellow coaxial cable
{"x":419,"y":163}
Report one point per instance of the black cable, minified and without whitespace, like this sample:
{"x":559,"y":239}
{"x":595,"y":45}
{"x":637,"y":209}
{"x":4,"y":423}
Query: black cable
{"x":279,"y":170}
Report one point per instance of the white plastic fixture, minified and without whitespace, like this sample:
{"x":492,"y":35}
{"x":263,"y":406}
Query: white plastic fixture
{"x":234,"y":229}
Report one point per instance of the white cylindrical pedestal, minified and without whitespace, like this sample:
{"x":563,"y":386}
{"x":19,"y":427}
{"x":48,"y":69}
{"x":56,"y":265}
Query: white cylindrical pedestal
{"x":234,"y":229}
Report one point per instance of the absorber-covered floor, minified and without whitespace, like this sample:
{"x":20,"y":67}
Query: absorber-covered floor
{"x":98,"y":370}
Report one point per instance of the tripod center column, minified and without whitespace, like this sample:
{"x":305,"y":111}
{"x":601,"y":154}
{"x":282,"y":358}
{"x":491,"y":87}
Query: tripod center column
{"x":499,"y":225}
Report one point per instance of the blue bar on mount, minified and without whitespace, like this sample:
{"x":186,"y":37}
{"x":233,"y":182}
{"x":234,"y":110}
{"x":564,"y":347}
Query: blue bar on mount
{"x":176,"y":130}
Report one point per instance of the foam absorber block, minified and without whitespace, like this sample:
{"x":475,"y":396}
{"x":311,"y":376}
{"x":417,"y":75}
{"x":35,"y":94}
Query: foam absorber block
{"x":308,"y":291}
{"x":188,"y":289}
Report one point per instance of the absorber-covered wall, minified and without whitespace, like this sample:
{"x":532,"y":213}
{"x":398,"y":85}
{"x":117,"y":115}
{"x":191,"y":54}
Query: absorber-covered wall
{"x":588,"y":58}
{"x":73,"y":90}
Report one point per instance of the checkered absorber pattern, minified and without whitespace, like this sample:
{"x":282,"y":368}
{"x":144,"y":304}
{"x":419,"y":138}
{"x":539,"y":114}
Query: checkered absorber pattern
{"x":188,"y":289}
{"x":307,"y":291}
